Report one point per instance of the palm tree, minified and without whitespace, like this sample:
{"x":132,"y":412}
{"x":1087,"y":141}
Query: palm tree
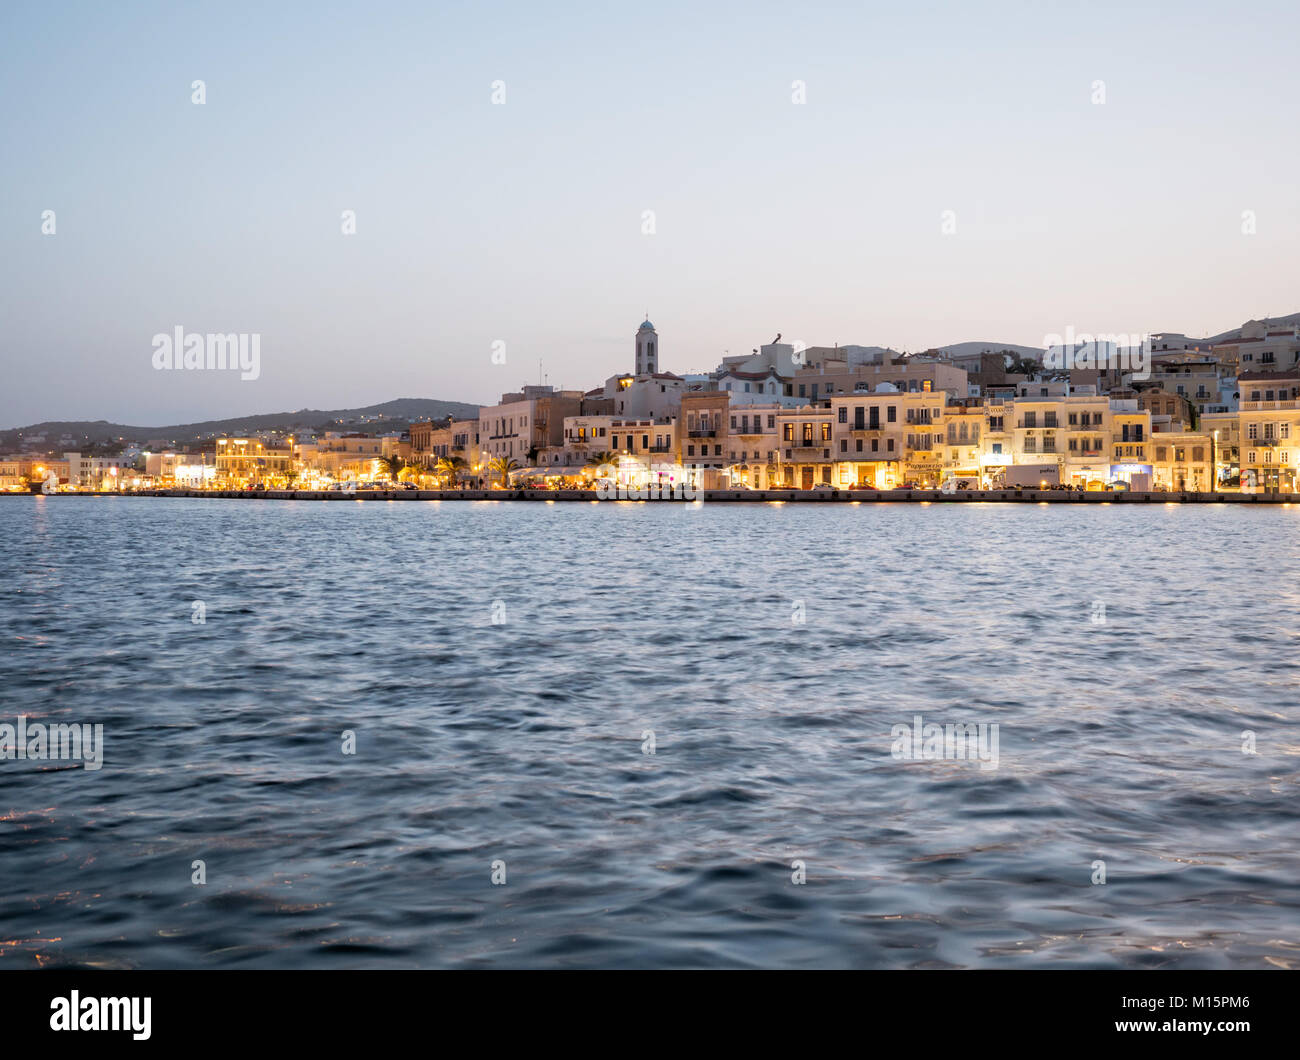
{"x":392,"y":465}
{"x":450,"y":467}
{"x":601,"y":459}
{"x":415,"y":470}
{"x":501,"y":466}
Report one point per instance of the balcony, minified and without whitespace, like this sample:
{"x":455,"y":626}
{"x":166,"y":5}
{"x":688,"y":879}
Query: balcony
{"x":660,"y":449}
{"x":705,"y":433}
{"x":1257,"y":406}
{"x":867,"y":428}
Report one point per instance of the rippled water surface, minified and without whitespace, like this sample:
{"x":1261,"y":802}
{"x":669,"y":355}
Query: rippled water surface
{"x":522,"y":740}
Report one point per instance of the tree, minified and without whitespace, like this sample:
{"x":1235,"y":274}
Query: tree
{"x":392,"y":465}
{"x":416,"y":470}
{"x":595,"y":461}
{"x":449,"y":469}
{"x":501,"y":466}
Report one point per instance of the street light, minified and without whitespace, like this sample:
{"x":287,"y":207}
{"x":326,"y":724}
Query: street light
{"x":1214,"y":462}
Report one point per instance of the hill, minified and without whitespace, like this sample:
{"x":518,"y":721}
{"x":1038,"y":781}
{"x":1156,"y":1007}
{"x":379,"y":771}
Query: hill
{"x":388,"y":416}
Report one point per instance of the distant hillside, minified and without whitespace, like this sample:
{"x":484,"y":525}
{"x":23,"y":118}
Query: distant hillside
{"x":391,"y":415}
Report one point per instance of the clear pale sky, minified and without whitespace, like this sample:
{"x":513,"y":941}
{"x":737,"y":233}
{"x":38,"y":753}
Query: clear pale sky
{"x":522,"y":222}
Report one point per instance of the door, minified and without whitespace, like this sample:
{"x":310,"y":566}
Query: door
{"x":807,"y":478}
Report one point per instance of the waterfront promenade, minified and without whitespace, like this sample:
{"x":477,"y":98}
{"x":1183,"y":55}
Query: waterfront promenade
{"x":1010,"y":496}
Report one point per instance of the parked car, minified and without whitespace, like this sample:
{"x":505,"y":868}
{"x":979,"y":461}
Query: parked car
{"x":822,"y":486}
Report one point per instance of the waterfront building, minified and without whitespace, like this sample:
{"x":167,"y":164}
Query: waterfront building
{"x":96,"y":473}
{"x":522,"y":424}
{"x":964,"y":424}
{"x":804,"y":446}
{"x":1130,"y":441}
{"x":753,"y":439}
{"x":1269,"y":428}
{"x":184,"y":470}
{"x":867,"y":434}
{"x":1182,"y":460}
{"x":1224,"y":430}
{"x":640,"y":446}
{"x":338,"y":456}
{"x":245,"y":461}
{"x":703,"y":437}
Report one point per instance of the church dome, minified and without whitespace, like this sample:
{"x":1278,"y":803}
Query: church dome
{"x":646,"y":326}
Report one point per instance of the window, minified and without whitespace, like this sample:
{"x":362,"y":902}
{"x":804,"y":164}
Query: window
{"x":844,"y":414}
{"x":789,"y":432}
{"x":892,"y":417}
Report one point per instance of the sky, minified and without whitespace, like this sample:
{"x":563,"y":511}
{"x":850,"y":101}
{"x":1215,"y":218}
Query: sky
{"x":954,"y":172}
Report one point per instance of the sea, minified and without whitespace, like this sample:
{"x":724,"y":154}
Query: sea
{"x":455,"y":734}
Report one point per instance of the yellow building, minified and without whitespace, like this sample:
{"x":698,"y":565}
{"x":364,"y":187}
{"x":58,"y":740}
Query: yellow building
{"x":868,"y":437}
{"x":1182,"y":460}
{"x":1270,"y":430}
{"x":804,"y":447}
{"x":246,"y":461}
{"x":1224,"y":429}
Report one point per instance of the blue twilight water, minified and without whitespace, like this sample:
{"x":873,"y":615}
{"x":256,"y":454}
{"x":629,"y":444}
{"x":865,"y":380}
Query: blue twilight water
{"x":522,"y":741}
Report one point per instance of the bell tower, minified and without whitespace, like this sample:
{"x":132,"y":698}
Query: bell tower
{"x":647,"y":349}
